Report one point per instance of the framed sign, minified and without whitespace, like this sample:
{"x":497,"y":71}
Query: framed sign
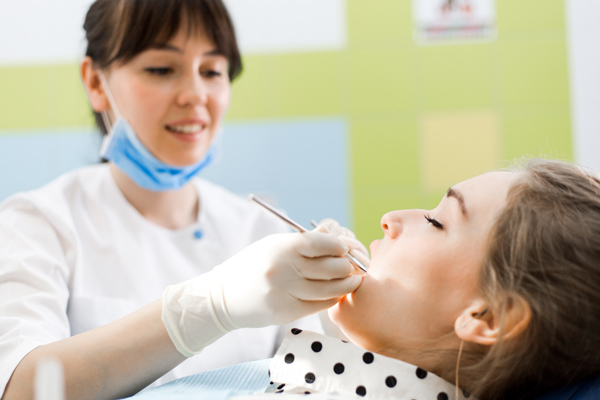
{"x":447,"y":21}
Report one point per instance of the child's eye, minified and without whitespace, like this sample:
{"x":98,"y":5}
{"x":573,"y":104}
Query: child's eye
{"x":159,"y":71}
{"x":434,"y":222}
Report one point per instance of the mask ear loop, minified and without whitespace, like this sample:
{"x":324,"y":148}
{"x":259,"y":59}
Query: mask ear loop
{"x":462,"y":342}
{"x":111,"y":101}
{"x":107,"y":125}
{"x":460,"y":350}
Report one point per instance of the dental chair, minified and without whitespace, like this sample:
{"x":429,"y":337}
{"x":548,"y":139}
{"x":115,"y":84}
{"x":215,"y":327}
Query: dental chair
{"x":586,"y":390}
{"x":245,"y":379}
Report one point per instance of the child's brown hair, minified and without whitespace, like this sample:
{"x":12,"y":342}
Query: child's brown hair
{"x":544,"y":249}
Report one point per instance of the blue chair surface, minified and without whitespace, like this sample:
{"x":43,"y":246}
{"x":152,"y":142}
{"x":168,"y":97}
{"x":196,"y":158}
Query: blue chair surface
{"x":586,"y":390}
{"x":218,"y":384}
{"x":252,"y":377}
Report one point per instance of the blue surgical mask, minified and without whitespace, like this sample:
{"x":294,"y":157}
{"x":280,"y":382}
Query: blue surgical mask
{"x":122,"y":146}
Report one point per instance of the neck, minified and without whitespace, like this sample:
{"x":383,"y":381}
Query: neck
{"x":173,"y":209}
{"x":438,"y":356}
{"x":444,"y":359}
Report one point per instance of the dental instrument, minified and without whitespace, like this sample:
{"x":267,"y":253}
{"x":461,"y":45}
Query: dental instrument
{"x":353,"y":260}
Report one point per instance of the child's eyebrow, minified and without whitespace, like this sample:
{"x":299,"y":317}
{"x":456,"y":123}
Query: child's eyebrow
{"x":458,"y":196}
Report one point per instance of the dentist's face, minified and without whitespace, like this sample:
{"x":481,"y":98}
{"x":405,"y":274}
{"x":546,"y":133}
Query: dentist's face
{"x":174,"y":96}
{"x":425,"y":270}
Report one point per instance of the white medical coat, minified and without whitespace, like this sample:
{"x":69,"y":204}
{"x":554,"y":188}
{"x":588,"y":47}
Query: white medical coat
{"x":76,"y":255}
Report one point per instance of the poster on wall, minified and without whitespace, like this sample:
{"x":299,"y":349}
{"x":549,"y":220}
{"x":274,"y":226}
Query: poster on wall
{"x":451,"y":21}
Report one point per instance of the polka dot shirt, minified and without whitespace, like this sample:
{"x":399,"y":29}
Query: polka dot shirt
{"x":310,"y":363}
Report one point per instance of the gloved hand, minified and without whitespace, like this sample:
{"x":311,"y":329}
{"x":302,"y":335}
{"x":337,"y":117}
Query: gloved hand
{"x":348,"y":237}
{"x":274,"y":281}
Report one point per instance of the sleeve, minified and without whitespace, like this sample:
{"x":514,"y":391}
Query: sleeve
{"x":34,"y":292}
{"x":265,"y":224}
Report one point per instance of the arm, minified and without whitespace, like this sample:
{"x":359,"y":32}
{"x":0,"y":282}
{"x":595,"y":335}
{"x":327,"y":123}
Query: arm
{"x":113,"y":361}
{"x":108,"y":362}
{"x":278,"y":280}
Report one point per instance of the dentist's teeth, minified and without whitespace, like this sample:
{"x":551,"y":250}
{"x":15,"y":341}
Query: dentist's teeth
{"x":187,"y":129}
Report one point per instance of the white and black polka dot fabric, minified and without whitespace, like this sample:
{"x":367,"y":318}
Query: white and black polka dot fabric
{"x":310,"y":363}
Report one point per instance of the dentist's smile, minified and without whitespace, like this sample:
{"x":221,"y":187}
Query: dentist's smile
{"x":189,"y":130}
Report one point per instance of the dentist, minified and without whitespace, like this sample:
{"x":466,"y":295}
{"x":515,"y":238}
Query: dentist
{"x":134,"y":271}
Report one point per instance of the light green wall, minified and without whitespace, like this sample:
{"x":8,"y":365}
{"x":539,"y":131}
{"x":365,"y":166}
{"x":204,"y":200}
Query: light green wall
{"x":517,"y":82}
{"x":395,"y":94}
{"x":42,"y":97}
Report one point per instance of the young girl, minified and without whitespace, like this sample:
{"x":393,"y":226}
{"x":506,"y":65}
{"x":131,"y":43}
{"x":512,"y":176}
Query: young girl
{"x":506,"y":269}
{"x":496,"y":291}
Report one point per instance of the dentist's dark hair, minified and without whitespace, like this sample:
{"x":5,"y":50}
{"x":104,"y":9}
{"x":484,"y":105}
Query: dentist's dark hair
{"x":119,"y":30}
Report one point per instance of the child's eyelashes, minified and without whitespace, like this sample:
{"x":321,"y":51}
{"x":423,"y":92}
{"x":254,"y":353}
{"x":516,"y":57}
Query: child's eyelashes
{"x":434,"y":222}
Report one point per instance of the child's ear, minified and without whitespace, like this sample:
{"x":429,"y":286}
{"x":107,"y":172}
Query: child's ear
{"x":479,"y":324}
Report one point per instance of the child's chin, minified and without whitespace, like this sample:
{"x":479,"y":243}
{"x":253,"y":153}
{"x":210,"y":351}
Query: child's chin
{"x":335,"y":312}
{"x":341,"y":314}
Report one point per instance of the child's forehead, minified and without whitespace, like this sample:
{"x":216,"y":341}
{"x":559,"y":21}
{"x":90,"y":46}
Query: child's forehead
{"x":485,"y":193}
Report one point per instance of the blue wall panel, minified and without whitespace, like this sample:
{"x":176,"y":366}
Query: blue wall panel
{"x":300,"y":165}
{"x":30,"y":159}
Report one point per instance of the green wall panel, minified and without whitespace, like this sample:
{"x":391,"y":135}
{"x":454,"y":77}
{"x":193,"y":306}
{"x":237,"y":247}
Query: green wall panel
{"x":537,"y":133}
{"x":518,"y":17}
{"x":456,"y":76}
{"x":250,"y":93}
{"x":42,"y":97}
{"x":288,"y":85}
{"x":383,"y":151}
{"x":377,"y":23}
{"x":534,"y":73}
{"x":382,"y":80}
{"x":306,"y":84}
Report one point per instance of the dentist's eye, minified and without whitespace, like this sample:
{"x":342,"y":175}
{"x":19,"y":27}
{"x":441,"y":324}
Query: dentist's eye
{"x":434,"y":222}
{"x":159,"y":71}
{"x":210,"y":73}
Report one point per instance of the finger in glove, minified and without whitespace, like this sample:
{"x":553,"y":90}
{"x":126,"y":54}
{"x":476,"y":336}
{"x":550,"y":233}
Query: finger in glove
{"x":324,"y":290}
{"x":357,"y":249}
{"x":335,"y":228}
{"x":313,"y":244}
{"x":324,"y":268}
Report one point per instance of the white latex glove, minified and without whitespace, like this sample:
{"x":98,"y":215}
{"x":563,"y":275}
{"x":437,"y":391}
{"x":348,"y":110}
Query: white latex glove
{"x":347,"y":236}
{"x":274,"y":281}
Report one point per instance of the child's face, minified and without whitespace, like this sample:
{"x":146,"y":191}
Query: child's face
{"x":424,"y":273}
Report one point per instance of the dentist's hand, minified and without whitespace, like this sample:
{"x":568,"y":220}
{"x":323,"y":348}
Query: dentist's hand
{"x":274,"y":281}
{"x":347,"y":236}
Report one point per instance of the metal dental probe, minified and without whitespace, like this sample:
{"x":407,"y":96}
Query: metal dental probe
{"x":353,"y":260}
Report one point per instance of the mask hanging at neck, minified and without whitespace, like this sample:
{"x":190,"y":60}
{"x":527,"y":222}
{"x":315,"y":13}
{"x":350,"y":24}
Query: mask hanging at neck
{"x":122,"y":146}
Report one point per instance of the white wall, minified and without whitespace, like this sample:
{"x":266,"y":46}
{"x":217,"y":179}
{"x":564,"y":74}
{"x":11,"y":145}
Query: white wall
{"x":50,"y":31}
{"x":583,"y":36}
{"x":267,"y":26}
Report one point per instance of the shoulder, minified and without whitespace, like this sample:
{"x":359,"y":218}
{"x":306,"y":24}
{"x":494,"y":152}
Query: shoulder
{"x":228,"y":207}
{"x":211,"y":190}
{"x":56,"y":200}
